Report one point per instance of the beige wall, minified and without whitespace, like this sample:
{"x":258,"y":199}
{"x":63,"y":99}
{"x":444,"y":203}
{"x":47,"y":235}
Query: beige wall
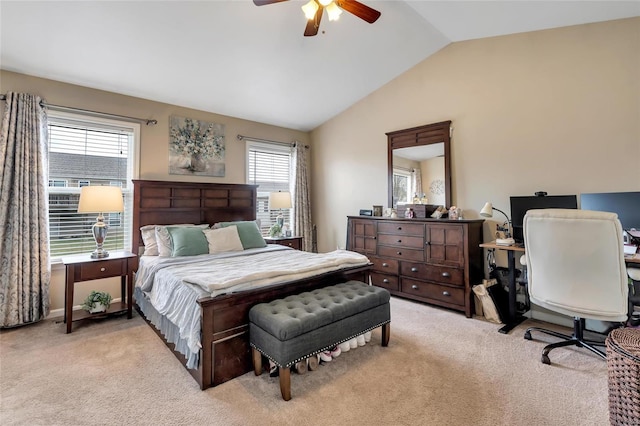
{"x":154,"y":149}
{"x":555,"y":110}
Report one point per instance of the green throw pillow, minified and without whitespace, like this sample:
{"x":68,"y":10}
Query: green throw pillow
{"x":249,"y":233}
{"x":187,"y":241}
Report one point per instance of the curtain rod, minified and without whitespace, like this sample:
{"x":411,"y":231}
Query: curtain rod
{"x":148,"y":122}
{"x":242,"y":137}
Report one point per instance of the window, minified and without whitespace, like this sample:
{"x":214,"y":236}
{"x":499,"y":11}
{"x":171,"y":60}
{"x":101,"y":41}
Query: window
{"x":268,"y":166}
{"x":85,"y":151}
{"x":402,"y":186}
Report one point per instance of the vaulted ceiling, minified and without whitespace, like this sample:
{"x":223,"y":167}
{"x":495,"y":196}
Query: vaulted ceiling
{"x":237,"y":59}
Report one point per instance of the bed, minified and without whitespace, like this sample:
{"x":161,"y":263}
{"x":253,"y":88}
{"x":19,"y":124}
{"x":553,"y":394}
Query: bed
{"x":221,"y":311}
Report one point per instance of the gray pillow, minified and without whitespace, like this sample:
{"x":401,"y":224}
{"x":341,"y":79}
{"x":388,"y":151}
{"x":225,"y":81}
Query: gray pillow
{"x":249,"y":233}
{"x":187,"y":241}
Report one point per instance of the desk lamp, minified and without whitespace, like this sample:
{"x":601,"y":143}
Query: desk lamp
{"x":487,"y":211}
{"x":280,"y":200}
{"x":100,"y":199}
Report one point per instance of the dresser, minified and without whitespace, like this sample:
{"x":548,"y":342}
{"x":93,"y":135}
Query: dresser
{"x":429,"y":260}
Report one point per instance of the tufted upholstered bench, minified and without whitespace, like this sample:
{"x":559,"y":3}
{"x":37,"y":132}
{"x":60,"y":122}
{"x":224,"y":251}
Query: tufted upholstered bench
{"x":294,"y":328}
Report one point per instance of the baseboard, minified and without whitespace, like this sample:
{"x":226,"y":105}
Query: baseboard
{"x":55,"y":313}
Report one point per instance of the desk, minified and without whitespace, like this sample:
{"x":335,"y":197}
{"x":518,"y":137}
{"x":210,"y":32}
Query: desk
{"x":633,"y":259}
{"x":514,"y":319}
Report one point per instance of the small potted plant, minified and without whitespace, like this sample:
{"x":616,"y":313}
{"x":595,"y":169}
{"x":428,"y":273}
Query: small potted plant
{"x":97,"y":301}
{"x":275,"y":230}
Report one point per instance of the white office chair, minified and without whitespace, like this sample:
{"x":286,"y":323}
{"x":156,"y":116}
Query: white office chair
{"x":575,"y":265}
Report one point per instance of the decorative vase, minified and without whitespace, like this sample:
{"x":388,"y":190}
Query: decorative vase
{"x":197,"y":163}
{"x":97,"y":307}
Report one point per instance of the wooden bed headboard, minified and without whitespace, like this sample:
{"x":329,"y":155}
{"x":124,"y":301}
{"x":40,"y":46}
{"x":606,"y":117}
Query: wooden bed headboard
{"x":158,"y":202}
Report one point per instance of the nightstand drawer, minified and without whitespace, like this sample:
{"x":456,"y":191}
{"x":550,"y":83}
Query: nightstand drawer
{"x":102,"y":269}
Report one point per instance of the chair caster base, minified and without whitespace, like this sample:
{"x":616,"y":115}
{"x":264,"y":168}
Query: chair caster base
{"x":527,"y":335}
{"x":545,"y":359}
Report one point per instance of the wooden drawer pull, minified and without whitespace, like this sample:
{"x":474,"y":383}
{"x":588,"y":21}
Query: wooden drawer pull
{"x":102,"y":269}
{"x":446,"y":293}
{"x":415,"y":287}
{"x":414,"y":269}
{"x":446,"y":274}
{"x":386,"y":281}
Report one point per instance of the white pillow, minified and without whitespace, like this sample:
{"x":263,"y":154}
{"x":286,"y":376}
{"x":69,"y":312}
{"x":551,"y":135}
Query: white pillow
{"x":223,"y":239}
{"x":164,"y":239}
{"x":149,"y":238}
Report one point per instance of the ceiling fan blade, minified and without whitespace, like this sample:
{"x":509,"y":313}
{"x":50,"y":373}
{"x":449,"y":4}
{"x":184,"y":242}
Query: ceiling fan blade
{"x":360,"y":10}
{"x":314,"y":24}
{"x":265,"y":2}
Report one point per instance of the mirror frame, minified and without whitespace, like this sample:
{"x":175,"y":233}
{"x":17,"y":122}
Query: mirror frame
{"x":418,"y":136}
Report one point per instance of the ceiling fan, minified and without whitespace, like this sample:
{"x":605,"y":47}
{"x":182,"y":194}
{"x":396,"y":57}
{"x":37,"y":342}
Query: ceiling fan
{"x":315,"y":8}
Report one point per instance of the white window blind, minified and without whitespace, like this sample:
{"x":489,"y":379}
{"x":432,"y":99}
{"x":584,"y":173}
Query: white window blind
{"x":88,"y":151}
{"x":268,"y":166}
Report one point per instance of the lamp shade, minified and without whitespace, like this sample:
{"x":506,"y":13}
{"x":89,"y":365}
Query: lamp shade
{"x":487,"y":210}
{"x":310,"y":9}
{"x":280,"y":200}
{"x":100,"y":199}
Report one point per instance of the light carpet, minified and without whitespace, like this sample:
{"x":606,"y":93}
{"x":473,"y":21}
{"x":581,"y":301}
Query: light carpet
{"x":440,"y":368}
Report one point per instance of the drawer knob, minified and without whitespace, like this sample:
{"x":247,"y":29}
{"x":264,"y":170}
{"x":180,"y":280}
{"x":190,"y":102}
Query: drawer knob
{"x":385,"y":265}
{"x":446,"y":274}
{"x":446,"y":293}
{"x":399,"y":228}
{"x":415,"y":287}
{"x":399,"y":241}
{"x":399,"y":253}
{"x":102,"y":269}
{"x":414,"y":269}
{"x":386,"y":281}
{"x":427,"y":243}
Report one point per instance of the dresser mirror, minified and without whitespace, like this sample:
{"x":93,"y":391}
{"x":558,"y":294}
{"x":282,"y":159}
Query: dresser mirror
{"x":419,"y":162}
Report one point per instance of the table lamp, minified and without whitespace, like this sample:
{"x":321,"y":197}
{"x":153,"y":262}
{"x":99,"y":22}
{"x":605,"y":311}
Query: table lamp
{"x":100,"y":199}
{"x":487,"y":211}
{"x":280,"y":200}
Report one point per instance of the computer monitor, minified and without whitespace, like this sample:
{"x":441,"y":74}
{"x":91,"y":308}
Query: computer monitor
{"x":521,"y":204}
{"x":625,"y":204}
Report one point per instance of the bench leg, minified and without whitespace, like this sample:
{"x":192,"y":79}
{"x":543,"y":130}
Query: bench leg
{"x":386,"y":331}
{"x":257,"y":361}
{"x":285,"y":382}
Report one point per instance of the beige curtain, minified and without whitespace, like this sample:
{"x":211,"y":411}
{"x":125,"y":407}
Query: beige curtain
{"x":301,"y":197}
{"x":24,"y":238}
{"x":417,"y":182}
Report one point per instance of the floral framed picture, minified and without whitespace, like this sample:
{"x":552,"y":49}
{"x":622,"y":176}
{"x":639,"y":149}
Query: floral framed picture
{"x":196,"y":147}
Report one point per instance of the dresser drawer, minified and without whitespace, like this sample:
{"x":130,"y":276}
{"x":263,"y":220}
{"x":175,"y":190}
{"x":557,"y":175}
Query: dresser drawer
{"x":401,"y":253}
{"x":432,"y":291}
{"x":440,"y":274}
{"x":390,"y":282}
{"x":401,"y":228}
{"x":387,"y":266}
{"x":401,"y":240}
{"x":103,"y":269}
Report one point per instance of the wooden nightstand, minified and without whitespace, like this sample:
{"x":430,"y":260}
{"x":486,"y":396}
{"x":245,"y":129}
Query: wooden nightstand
{"x":84,"y":268}
{"x":293,"y":242}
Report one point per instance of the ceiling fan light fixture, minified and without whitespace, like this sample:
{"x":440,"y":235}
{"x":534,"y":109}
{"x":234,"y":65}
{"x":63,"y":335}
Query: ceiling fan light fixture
{"x":333,"y":11}
{"x":325,"y":3}
{"x":310,"y":9}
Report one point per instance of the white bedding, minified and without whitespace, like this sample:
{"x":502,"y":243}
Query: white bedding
{"x":173,"y":284}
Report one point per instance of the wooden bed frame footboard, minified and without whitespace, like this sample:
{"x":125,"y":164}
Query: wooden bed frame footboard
{"x":225,"y":352}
